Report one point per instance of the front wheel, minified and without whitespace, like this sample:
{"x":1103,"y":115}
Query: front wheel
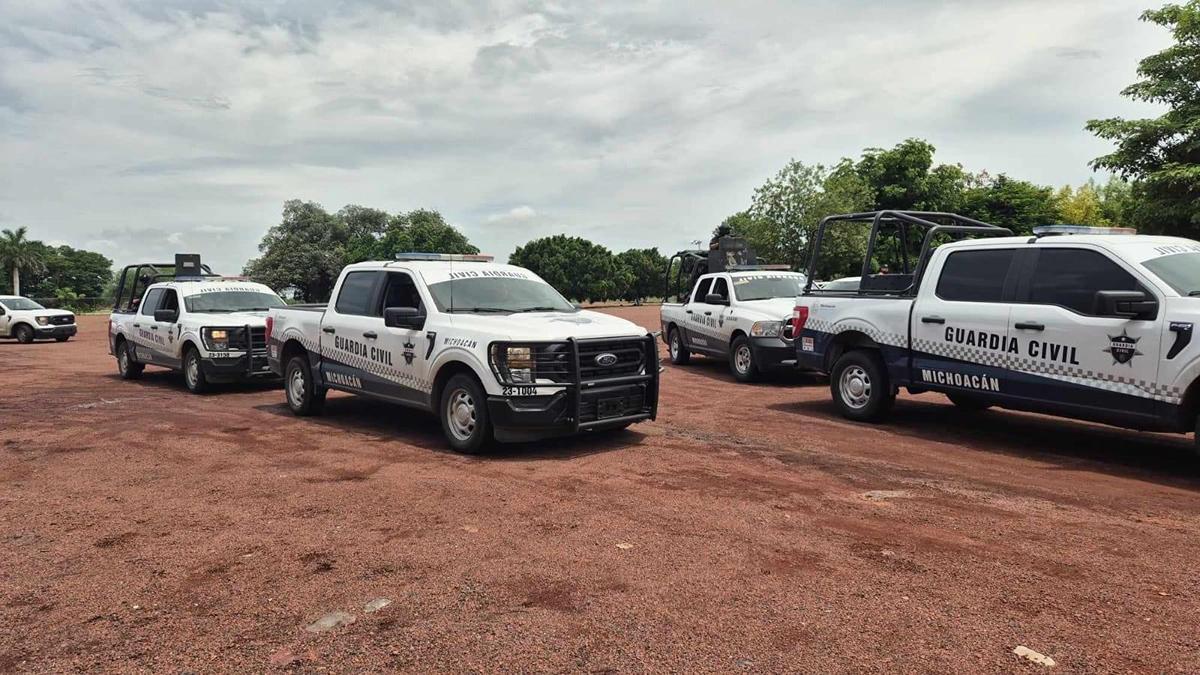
{"x":464,"y":415}
{"x":679,"y":353}
{"x":24,"y":334}
{"x":741,"y":360}
{"x":860,"y":386}
{"x":303,"y":396}
{"x":193,"y":374}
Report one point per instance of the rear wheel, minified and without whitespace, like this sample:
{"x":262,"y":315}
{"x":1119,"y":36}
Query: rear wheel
{"x":679,"y":353}
{"x":303,"y":396}
{"x":24,"y":334}
{"x":464,"y":415}
{"x":968,"y":403}
{"x":741,"y":360}
{"x":193,"y":374}
{"x":127,"y":366}
{"x":860,"y":386}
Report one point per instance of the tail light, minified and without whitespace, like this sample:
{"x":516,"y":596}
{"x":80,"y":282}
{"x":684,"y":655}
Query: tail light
{"x":270,"y":326}
{"x":799,"y":318}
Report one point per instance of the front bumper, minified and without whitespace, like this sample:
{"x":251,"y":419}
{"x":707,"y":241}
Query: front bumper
{"x":772,"y":353}
{"x":583,"y":405}
{"x":236,"y":367}
{"x":46,"y":332}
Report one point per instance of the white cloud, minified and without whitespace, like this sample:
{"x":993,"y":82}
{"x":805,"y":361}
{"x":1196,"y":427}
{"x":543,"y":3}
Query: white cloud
{"x":630,"y":124}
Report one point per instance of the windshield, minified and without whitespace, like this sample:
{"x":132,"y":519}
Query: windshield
{"x":232,"y":301}
{"x":1181,"y":271}
{"x":498,"y":295}
{"x":16,"y":304}
{"x":764,"y":286}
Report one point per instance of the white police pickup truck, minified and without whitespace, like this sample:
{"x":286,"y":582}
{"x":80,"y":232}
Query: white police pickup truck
{"x":743,"y":316}
{"x":212,"y":328}
{"x":26,"y":320}
{"x":492,"y":349}
{"x":1078,"y":322}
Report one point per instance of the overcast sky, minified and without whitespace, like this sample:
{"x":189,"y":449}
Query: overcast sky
{"x":139,"y":129}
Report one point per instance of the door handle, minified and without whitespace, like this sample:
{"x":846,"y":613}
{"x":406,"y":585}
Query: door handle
{"x":1028,"y":325}
{"x":932,"y":319}
{"x":328,"y":330}
{"x":137,"y":325}
{"x":708,"y":314}
{"x":370,"y":335}
{"x":153,"y":327}
{"x":687,"y":311}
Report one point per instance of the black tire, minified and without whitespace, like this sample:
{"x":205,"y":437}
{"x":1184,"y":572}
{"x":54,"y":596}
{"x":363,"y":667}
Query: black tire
{"x":968,"y":403}
{"x":464,"y":415}
{"x":62,"y":339}
{"x":860,"y":387}
{"x":741,"y":360}
{"x":127,"y":365}
{"x":193,"y":372}
{"x":24,"y":334}
{"x":304,"y":397}
{"x":680,"y":355}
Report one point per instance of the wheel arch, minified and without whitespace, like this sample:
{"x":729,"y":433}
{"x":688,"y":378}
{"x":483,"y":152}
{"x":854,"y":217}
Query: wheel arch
{"x":446,"y":371}
{"x":846,"y":341}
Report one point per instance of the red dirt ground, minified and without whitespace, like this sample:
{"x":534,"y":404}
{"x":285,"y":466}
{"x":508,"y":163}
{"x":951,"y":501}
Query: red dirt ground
{"x":144,"y":528}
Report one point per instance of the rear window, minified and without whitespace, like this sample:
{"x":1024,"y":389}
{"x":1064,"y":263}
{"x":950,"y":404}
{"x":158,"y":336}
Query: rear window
{"x":356,"y":292}
{"x":975,"y":276}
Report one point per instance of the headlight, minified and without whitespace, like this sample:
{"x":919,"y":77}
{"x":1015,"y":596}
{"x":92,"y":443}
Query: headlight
{"x":43,"y":320}
{"x":766,"y":329}
{"x":526,"y":364}
{"x":216,"y":339}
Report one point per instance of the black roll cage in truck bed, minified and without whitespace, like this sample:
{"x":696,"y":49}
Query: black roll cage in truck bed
{"x":934,"y":223}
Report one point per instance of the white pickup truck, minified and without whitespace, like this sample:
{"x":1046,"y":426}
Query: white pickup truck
{"x":743,"y":316}
{"x":492,"y":349}
{"x":26,"y":320}
{"x":210,"y":327}
{"x":1078,"y":322}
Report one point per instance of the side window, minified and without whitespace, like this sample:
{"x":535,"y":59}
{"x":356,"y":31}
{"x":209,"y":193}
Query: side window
{"x":1070,"y":278}
{"x":721,"y":287}
{"x":975,"y":276}
{"x":702,"y":289}
{"x":400,"y":292}
{"x":151,"y":302}
{"x":170,"y":300}
{"x":356,"y":293}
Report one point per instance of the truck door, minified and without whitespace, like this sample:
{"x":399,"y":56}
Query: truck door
{"x":407,"y":348}
{"x":145,"y":329}
{"x":5,"y":321}
{"x":959,"y":324}
{"x":701,"y":323}
{"x":349,"y":331}
{"x":723,"y":312}
{"x":1074,"y":356}
{"x":168,"y":330}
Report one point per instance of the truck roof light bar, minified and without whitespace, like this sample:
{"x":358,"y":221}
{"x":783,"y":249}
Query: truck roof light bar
{"x":752,"y":268}
{"x":448,"y":257}
{"x":1055,"y":230}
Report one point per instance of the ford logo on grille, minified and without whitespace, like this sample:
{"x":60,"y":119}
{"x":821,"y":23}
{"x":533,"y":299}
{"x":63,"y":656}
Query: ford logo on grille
{"x":606,"y":359}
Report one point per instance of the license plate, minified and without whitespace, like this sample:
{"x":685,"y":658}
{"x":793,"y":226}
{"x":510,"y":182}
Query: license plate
{"x":610,"y":407}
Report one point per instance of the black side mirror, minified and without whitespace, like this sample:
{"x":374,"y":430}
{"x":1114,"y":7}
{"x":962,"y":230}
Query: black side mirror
{"x":404,"y":317}
{"x":166,"y":315}
{"x":715,"y":299}
{"x":1126,"y":304}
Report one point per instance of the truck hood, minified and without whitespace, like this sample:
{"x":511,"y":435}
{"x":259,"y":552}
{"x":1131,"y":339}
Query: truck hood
{"x":542,"y":326}
{"x":49,"y":312}
{"x":234,"y":319}
{"x":772,"y":309}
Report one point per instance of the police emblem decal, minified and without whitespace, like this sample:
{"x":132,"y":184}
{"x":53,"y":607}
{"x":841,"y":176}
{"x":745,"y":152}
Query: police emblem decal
{"x":409,"y":354}
{"x":1122,"y":348}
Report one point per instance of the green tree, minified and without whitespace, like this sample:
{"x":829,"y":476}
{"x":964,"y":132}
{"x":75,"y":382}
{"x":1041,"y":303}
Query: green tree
{"x":904,"y":178}
{"x":1162,"y":155}
{"x":1016,"y":204}
{"x":305,"y":252}
{"x":19,"y":253}
{"x":579,"y":269}
{"x":421,"y":231}
{"x":1080,"y":206}
{"x":84,"y":273}
{"x":647,"y":270}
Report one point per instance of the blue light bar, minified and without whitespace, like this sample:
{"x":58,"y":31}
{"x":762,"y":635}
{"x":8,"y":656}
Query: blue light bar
{"x":447,"y":257}
{"x":1048,"y":230}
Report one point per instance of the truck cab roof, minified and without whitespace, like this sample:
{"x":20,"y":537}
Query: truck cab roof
{"x":1131,"y":247}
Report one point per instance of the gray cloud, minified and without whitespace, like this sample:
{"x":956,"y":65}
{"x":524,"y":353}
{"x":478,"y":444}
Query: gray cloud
{"x":139,"y":127}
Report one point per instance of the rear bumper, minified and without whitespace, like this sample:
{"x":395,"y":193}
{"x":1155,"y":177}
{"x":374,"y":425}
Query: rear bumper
{"x":235,"y":368}
{"x":45,"y":332}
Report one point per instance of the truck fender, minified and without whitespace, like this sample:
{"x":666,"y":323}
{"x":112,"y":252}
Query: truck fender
{"x":445,"y":361}
{"x":292,"y":341}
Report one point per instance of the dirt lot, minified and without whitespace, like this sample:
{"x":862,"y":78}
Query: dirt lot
{"x":749,"y":528}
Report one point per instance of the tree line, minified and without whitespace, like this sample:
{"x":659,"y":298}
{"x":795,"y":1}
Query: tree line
{"x":69,"y":277}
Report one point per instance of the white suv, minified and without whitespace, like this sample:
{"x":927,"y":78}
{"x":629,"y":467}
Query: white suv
{"x":26,"y":320}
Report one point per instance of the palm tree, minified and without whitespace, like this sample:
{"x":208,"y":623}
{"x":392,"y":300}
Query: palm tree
{"x":19,"y":253}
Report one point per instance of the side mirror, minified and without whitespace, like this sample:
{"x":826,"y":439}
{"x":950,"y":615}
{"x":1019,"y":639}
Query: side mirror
{"x":715,"y":299}
{"x":404,"y":317}
{"x":166,"y":315}
{"x":2,"y":312}
{"x":1126,"y":304}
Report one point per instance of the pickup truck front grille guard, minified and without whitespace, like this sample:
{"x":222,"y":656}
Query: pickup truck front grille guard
{"x":576,"y":386}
